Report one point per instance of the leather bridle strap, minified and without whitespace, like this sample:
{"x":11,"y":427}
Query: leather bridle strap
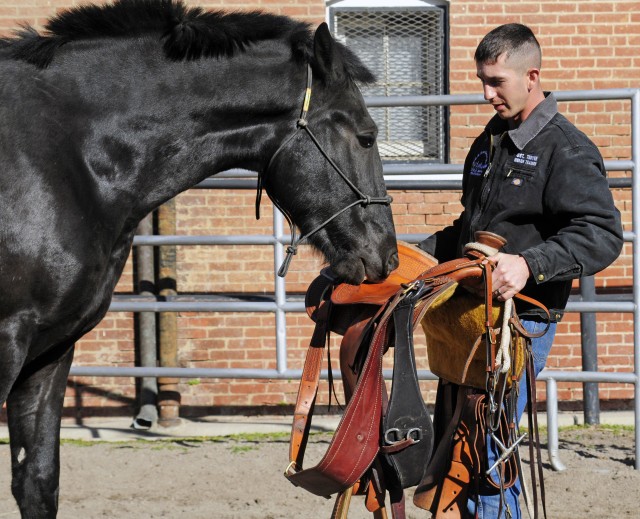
{"x":363,"y":200}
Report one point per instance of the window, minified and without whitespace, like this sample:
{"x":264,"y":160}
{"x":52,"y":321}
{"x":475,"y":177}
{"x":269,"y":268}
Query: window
{"x":404,"y":44}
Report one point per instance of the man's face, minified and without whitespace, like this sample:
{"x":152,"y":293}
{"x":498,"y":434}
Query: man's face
{"x":506,"y":88}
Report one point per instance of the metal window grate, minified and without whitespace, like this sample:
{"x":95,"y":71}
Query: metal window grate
{"x":405,"y":48}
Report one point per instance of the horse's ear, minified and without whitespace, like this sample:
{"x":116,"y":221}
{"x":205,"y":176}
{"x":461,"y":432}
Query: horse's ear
{"x":327,"y":54}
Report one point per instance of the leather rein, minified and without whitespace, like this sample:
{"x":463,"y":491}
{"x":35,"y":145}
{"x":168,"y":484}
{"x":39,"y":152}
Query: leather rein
{"x":363,"y":200}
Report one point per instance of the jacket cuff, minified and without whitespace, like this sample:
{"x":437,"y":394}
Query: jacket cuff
{"x":542,"y":271}
{"x":535,"y":260}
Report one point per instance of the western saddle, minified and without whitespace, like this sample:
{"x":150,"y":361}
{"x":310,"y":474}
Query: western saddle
{"x":385,"y":443}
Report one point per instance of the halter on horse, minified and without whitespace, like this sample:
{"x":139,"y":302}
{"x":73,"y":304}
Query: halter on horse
{"x":363,"y":200}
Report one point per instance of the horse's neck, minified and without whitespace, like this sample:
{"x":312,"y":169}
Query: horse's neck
{"x":165,"y":126}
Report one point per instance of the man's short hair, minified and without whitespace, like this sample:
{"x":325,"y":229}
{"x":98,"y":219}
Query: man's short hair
{"x":514,"y":39}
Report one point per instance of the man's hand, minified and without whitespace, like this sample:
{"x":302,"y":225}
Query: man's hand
{"x":509,"y":276}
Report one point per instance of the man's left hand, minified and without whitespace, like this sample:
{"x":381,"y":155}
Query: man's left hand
{"x":509,"y":276}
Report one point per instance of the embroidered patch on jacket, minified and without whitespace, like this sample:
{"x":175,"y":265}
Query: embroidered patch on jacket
{"x":526,"y":159}
{"x":480,"y":164}
{"x":516,"y":182}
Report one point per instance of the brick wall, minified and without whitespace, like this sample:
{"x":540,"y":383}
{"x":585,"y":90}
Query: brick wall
{"x":586,"y":45}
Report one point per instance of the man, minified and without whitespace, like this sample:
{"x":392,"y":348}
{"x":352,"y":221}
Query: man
{"x":537,"y":181}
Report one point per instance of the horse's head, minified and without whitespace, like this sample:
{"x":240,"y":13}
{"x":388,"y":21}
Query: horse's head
{"x":327,"y":175}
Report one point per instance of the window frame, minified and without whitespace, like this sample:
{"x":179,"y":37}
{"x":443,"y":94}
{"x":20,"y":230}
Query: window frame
{"x":333,"y":6}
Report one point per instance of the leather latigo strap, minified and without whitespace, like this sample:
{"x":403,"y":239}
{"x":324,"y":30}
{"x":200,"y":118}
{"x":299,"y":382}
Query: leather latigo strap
{"x":356,"y":441}
{"x":535,"y":461}
{"x":308,"y":389}
{"x":516,"y":322}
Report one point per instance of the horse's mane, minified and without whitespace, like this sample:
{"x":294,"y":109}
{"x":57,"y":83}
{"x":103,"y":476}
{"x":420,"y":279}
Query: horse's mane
{"x":188,"y":33}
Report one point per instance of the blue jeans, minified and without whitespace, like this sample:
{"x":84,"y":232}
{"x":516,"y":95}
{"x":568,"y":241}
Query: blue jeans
{"x":489,"y":505}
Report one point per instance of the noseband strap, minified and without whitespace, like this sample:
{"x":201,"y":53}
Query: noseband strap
{"x":363,"y":200}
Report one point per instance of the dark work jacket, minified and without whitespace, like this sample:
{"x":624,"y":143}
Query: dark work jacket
{"x":543,"y":187}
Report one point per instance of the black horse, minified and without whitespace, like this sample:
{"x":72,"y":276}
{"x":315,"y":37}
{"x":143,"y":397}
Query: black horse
{"x":114,"y":110}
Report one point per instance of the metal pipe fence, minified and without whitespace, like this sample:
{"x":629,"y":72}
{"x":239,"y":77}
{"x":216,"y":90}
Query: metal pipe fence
{"x":281,"y":305}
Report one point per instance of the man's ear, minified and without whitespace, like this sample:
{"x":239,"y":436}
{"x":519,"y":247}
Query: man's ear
{"x":533,"y":78}
{"x":328,"y":57}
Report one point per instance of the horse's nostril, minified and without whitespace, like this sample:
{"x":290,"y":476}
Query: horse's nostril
{"x":393,"y":262}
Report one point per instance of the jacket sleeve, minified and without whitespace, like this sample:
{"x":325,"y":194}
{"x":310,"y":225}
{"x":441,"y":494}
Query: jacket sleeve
{"x":443,"y":244}
{"x":587,"y":230}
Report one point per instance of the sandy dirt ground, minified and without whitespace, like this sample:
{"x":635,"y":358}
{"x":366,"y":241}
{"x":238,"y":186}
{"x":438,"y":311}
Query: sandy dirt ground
{"x":243,"y":478}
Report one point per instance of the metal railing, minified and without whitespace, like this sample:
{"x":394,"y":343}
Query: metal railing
{"x":280,"y":304}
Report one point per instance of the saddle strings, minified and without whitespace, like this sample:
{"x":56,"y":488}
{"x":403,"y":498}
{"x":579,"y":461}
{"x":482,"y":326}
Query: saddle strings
{"x":363,"y":200}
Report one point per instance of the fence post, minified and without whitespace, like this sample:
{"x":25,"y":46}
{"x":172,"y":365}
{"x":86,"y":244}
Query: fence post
{"x":146,"y":329}
{"x":589,"y":340}
{"x":168,"y":395}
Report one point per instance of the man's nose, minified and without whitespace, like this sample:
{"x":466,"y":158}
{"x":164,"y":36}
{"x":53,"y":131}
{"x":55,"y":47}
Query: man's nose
{"x":489,"y":92}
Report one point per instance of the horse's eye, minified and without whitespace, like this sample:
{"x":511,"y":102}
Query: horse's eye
{"x":367,"y":141}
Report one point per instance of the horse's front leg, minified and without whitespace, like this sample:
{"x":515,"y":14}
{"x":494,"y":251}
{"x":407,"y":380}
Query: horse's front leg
{"x":34,"y":410}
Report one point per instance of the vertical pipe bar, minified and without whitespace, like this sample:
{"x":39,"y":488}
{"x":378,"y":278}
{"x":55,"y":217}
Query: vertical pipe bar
{"x":168,"y":395}
{"x":552,"y":425}
{"x":280,"y":293}
{"x":589,"y":340}
{"x":635,"y":226}
{"x":145,"y":273}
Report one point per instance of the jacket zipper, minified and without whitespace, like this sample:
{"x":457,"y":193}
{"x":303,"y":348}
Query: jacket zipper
{"x":486,"y":182}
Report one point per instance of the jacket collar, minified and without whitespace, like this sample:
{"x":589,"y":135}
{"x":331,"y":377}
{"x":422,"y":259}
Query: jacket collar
{"x":537,"y":120}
